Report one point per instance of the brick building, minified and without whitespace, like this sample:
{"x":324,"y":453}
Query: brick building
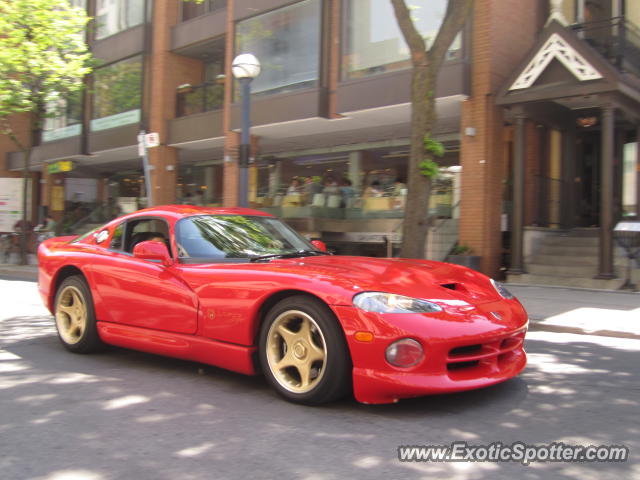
{"x":331,"y":104}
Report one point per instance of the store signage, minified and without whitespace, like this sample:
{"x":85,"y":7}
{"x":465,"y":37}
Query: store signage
{"x":63,"y":132}
{"x":61,"y":166}
{"x":10,"y":203}
{"x":117,"y":120}
{"x":148,"y":140}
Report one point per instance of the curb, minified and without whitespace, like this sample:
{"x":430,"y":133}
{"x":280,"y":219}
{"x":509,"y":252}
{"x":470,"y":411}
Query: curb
{"x":540,"y":327}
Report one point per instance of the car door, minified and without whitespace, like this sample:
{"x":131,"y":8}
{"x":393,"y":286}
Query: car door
{"x":140,"y":292}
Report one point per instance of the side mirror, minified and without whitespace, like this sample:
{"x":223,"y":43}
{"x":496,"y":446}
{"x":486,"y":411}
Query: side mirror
{"x":320,"y":245}
{"x":153,"y":250}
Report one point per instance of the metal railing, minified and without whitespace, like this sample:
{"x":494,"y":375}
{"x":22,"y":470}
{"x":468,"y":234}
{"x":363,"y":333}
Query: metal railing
{"x":201,"y":98}
{"x":614,"y":38}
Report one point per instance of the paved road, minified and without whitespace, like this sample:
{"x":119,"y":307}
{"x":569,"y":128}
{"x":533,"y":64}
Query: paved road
{"x":129,"y":415}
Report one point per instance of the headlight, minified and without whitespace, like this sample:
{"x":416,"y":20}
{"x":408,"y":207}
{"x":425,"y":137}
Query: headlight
{"x":390,"y":303}
{"x":502,"y":290}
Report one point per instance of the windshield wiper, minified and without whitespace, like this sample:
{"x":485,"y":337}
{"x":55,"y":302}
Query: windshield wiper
{"x":298,"y":253}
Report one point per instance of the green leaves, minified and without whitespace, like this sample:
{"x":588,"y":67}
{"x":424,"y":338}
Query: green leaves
{"x":430,"y":168}
{"x":43,"y":55}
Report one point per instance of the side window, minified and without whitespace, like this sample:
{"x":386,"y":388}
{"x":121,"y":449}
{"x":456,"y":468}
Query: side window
{"x":146,"y":229}
{"x":116,"y":240}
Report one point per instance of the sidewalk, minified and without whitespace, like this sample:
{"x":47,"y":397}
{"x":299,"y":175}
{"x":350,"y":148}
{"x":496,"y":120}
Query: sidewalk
{"x":556,"y":309}
{"x":19,"y":272}
{"x":572,"y":310}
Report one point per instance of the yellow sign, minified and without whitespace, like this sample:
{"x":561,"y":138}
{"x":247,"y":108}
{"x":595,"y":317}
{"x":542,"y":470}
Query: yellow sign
{"x":57,"y":198}
{"x":61,"y":166}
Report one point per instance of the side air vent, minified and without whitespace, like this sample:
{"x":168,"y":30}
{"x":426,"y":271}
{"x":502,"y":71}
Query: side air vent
{"x":450,"y":286}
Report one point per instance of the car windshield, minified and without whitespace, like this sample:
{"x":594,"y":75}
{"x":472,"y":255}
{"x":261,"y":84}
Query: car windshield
{"x":237,"y":236}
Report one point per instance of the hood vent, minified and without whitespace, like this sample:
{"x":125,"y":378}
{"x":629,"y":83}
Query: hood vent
{"x":450,"y":286}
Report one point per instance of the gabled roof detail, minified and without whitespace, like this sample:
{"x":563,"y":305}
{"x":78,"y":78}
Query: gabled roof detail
{"x":556,"y":47}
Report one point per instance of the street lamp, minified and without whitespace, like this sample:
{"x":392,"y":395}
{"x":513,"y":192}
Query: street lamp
{"x":245,"y":67}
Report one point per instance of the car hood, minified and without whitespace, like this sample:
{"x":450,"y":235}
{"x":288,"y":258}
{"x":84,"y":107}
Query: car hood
{"x":425,"y":279}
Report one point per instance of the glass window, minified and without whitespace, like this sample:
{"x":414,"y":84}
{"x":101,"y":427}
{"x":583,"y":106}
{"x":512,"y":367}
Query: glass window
{"x":116,"y":88}
{"x":374,"y":43}
{"x":64,"y":117}
{"x":192,"y":9}
{"x":632,"y":12}
{"x":113,"y":16}
{"x":287,"y":43}
{"x":236,"y":236}
{"x":116,"y":240}
{"x":629,"y":180}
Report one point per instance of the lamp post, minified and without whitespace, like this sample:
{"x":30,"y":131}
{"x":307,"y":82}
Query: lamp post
{"x":245,"y":67}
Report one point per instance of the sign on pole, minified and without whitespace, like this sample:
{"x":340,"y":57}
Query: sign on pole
{"x":146,"y":141}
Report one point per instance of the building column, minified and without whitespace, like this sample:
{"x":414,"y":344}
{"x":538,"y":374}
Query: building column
{"x":568,"y":182}
{"x":638,"y":172}
{"x":275,"y":176}
{"x":355,"y":164}
{"x":605,"y":269}
{"x":517,"y":217}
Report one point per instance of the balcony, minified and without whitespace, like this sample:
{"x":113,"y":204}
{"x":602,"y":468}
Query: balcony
{"x":615,"y":39}
{"x":205,"y":97}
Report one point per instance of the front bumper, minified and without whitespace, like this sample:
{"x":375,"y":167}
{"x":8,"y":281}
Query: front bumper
{"x":462,"y":352}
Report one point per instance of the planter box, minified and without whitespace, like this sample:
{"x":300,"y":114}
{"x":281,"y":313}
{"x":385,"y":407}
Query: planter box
{"x":471,"y":261}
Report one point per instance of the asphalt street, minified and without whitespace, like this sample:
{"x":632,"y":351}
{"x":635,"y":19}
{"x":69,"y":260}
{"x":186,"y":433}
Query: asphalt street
{"x":129,"y":415}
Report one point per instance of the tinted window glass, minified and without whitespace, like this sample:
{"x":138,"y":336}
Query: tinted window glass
{"x":235,"y":236}
{"x":116,"y":240}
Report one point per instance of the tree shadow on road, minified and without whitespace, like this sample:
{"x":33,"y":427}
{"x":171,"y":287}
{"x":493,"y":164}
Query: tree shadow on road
{"x":126,"y":414}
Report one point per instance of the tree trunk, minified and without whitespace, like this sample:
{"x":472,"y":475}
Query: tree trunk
{"x":426,"y":66}
{"x":24,"y":233}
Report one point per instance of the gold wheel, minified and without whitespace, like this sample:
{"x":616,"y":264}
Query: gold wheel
{"x":71,"y":315}
{"x":296,"y":351}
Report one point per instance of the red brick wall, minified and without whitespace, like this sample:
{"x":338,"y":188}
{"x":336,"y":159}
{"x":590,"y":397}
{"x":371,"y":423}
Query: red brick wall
{"x":503,"y":32}
{"x":20,"y":125}
{"x":166,"y":71}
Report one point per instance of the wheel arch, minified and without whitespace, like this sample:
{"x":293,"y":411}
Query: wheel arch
{"x":60,"y":276}
{"x":274,"y":298}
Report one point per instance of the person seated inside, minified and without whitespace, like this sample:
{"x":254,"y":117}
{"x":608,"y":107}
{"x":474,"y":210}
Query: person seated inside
{"x":146,"y":237}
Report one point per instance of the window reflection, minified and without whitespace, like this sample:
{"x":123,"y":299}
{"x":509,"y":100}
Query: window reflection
{"x":374,"y":42}
{"x":113,"y":16}
{"x":235,"y":236}
{"x":117,"y":88}
{"x":287,"y":43}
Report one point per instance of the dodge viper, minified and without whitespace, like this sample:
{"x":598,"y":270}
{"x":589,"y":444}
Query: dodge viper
{"x":239,"y":289}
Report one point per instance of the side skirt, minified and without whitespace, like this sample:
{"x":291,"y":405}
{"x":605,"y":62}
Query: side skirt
{"x":232,"y":357}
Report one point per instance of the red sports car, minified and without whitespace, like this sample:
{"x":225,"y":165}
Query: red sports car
{"x":239,"y":289}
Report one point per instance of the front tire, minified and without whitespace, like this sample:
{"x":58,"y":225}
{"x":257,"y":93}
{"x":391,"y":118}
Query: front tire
{"x":75,"y":316}
{"x":303,"y":352}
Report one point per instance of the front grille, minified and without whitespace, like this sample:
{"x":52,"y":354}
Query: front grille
{"x":497,"y":351}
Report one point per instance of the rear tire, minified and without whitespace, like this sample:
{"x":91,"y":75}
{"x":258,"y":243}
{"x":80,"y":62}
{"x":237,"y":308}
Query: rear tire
{"x":303,"y":352}
{"x":75,"y":316}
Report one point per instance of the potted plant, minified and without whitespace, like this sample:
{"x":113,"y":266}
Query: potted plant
{"x":463,"y":255}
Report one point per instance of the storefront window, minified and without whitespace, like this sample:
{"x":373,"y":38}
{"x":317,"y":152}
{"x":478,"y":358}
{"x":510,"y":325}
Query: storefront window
{"x":200,"y":185}
{"x":629,"y":180}
{"x":374,"y":43}
{"x":632,"y":12}
{"x":113,"y":16}
{"x":117,"y":94}
{"x":287,"y":43}
{"x":356,"y":185}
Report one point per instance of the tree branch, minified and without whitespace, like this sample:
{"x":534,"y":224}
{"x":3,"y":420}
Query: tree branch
{"x":410,"y":33}
{"x":457,"y":13}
